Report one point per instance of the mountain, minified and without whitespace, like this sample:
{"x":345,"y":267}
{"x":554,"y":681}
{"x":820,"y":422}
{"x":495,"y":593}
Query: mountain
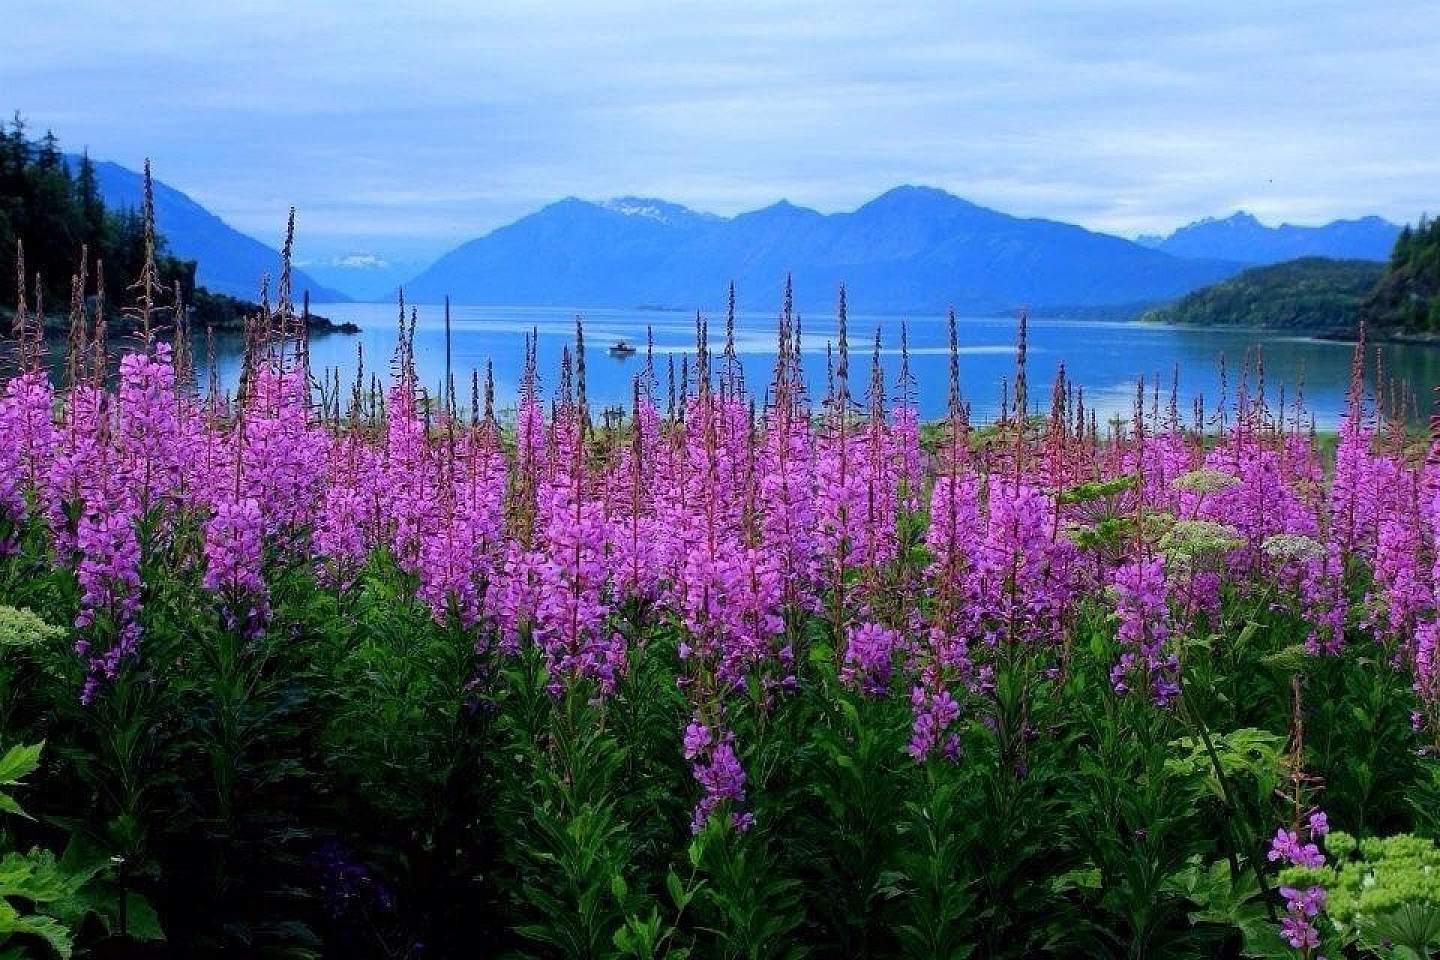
{"x":912,"y":248}
{"x":1311,"y":293}
{"x":1242,"y":237}
{"x":229,"y":262}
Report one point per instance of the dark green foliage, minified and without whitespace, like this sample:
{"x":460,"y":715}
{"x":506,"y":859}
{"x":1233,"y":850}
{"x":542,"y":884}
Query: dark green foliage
{"x":1312,"y":293}
{"x":44,"y":900}
{"x":1407,"y":297}
{"x":360,"y":780}
{"x":855,"y":782}
{"x":1400,"y":297}
{"x":55,"y":211}
{"x":934,"y":884}
{"x":750,"y":909}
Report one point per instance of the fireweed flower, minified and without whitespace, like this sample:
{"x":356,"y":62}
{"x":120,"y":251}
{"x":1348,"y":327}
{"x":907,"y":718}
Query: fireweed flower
{"x":109,"y":577}
{"x":459,"y":547}
{"x":408,"y":484}
{"x":1354,"y":487}
{"x":905,"y":452}
{"x":787,"y":501}
{"x":636,"y":534}
{"x":233,"y":556}
{"x":346,"y":527}
{"x":697,"y":738}
{"x":1144,"y":626}
{"x":572,"y":598}
{"x":283,"y":455}
{"x":27,"y":437}
{"x":1195,"y":552}
{"x":933,"y":712}
{"x":730,"y":597}
{"x":953,"y":539}
{"x":1299,"y":932}
{"x":12,"y":496}
{"x":1301,"y":907}
{"x":152,"y":436}
{"x":1307,"y":902}
{"x":1164,"y":465}
{"x":1314,"y":572}
{"x":1427,"y":676}
{"x":1024,"y":566}
{"x":731,"y":527}
{"x":841,"y":498}
{"x":1286,"y":847}
{"x":1263,"y":503}
{"x":869,"y":657}
{"x":1403,"y":592}
{"x":93,"y":517}
{"x":79,"y":466}
{"x":717,"y":769}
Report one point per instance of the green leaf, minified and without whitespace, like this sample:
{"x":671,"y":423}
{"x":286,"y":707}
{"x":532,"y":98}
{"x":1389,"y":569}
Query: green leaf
{"x":142,"y":922}
{"x":19,"y":761}
{"x":678,"y":896}
{"x":9,"y":804}
{"x":1086,"y":878}
{"x":1261,"y":938}
{"x":1292,"y":659}
{"x":46,"y":928}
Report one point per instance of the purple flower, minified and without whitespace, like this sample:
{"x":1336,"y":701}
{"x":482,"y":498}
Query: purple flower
{"x":933,"y":713}
{"x":1144,"y":614}
{"x":697,"y":738}
{"x":719,"y":772}
{"x":1286,"y":846}
{"x":1307,"y":902}
{"x":233,"y":555}
{"x":1299,"y":933}
{"x":869,"y":655}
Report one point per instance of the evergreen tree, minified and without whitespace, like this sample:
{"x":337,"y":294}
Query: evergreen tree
{"x":92,"y":208}
{"x":58,"y":212}
{"x":1407,"y":296}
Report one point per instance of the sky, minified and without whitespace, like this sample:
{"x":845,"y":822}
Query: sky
{"x":400,"y":130}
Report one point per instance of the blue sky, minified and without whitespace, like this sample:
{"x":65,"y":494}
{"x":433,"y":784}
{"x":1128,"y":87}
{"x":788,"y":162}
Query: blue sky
{"x":398,"y":134}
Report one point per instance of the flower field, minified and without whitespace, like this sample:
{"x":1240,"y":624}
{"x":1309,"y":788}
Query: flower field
{"x":374,"y":670}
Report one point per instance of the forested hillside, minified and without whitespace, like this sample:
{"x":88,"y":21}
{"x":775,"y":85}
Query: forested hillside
{"x":1407,"y":296}
{"x":1312,"y":293}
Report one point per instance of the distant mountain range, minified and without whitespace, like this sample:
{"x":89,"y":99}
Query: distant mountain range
{"x":364,"y":275}
{"x":912,"y":248}
{"x":1241,"y":237}
{"x":229,"y":261}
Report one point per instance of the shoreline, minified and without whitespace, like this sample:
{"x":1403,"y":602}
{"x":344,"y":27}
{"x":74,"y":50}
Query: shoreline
{"x":57,"y":326}
{"x":1408,"y":339}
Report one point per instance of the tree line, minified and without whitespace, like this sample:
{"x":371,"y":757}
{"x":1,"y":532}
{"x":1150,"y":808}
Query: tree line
{"x":52,"y":213}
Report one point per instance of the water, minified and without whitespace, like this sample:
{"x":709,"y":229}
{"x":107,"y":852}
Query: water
{"x":1106,"y":358}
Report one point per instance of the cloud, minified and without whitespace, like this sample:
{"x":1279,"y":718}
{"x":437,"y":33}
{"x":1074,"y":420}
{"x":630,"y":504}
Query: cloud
{"x":407,"y":133}
{"x":360,"y":261}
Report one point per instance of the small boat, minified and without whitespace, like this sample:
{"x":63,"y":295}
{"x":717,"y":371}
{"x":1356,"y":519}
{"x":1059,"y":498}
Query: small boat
{"x":621,"y":349}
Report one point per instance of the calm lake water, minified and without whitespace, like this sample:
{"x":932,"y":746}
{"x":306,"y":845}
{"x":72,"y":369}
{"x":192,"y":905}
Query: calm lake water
{"x":1104,"y":357}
